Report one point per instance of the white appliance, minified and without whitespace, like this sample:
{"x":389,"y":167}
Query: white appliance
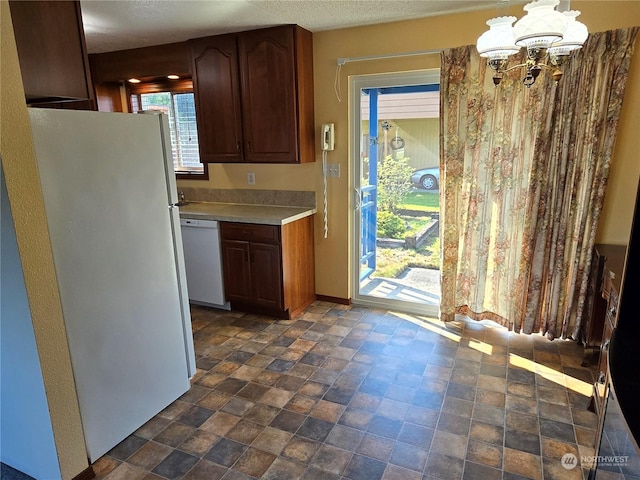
{"x":203,"y":265}
{"x":109,"y":192}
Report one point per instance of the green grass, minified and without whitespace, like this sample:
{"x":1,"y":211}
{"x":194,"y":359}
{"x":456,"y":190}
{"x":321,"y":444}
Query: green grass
{"x":413,"y":226}
{"x":421,"y":200}
{"x":391,"y":262}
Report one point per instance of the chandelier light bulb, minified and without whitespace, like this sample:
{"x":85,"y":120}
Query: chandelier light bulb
{"x":541,"y":26}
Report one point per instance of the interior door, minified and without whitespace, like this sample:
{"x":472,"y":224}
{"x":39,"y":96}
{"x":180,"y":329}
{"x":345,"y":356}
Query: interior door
{"x":377,"y":108}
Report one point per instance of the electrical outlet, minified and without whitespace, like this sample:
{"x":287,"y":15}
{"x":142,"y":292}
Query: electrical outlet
{"x":251,"y":178}
{"x":333,"y":170}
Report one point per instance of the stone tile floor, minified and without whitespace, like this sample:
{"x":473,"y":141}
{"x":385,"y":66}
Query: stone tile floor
{"x":345,"y":392}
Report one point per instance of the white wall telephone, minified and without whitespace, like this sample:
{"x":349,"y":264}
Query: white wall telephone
{"x":327,"y":140}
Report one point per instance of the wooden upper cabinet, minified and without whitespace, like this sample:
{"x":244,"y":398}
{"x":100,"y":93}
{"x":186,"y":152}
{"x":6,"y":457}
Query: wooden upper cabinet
{"x":216,"y":85}
{"x":52,"y":51}
{"x":254,"y":96}
{"x":268,"y":95}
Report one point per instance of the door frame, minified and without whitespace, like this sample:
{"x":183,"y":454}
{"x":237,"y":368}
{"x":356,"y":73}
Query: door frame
{"x":356,"y":84}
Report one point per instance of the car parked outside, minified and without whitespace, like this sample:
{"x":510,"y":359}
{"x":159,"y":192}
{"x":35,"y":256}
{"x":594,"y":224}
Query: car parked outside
{"x":427,"y":178}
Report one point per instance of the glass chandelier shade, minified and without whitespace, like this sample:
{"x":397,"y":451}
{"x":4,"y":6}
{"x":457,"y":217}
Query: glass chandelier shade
{"x":543,"y":31}
{"x":574,"y":37}
{"x":497,"y":43}
{"x":541,"y":26}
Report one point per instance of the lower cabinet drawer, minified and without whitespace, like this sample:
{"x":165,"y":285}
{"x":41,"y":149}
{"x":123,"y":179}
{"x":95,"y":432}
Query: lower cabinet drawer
{"x":250,"y":232}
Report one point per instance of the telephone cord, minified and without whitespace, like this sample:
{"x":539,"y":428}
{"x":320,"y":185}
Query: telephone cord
{"x":324,"y":193}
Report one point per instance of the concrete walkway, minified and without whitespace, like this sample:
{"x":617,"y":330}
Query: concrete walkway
{"x":418,"y":285}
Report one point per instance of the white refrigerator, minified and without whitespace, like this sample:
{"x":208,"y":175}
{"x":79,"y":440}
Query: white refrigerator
{"x":110,"y":194}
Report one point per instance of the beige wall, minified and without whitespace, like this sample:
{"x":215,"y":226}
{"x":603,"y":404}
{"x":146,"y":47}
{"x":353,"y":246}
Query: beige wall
{"x":332,"y":254}
{"x":27,"y":208}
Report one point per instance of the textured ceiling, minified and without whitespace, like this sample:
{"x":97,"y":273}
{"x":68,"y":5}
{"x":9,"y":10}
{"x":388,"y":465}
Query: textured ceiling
{"x":121,"y":24}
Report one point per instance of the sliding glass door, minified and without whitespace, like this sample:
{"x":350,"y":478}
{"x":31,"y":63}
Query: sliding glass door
{"x":396,"y":161}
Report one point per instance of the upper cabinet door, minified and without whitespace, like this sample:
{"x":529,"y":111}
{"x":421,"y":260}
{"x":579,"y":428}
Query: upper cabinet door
{"x":254,"y":96}
{"x":268,"y":78}
{"x":52,"y":51}
{"x":214,"y":64}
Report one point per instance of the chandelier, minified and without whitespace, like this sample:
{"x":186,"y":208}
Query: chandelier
{"x":544,"y":31}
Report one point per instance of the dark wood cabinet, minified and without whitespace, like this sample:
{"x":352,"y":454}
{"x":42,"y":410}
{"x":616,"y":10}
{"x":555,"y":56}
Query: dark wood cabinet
{"x":269,"y":269}
{"x":266,"y":275}
{"x":268,"y":93}
{"x":254,"y":96}
{"x":151,"y":62}
{"x":602,"y":376}
{"x":52,"y":52}
{"x":216,"y":84}
{"x":611,"y":259}
{"x":607,"y":260}
{"x":252,"y":269}
{"x":237,"y":270}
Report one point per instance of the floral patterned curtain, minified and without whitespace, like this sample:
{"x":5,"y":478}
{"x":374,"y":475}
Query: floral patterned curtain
{"x":523,"y":174}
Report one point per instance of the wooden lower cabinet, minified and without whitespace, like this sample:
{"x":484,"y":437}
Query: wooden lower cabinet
{"x":253,"y":273}
{"x":606,"y":264}
{"x":269,"y":269}
{"x":610,"y":290}
{"x":236,"y":268}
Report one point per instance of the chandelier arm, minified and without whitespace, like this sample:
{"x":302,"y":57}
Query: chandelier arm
{"x":543,"y":65}
{"x":515,"y":66}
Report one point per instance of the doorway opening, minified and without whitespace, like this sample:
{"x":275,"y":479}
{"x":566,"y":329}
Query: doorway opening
{"x":395,"y":132}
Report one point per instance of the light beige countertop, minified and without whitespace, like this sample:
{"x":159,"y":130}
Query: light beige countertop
{"x":244,"y":213}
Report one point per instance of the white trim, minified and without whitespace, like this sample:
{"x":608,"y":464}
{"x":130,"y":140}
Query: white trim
{"x":356,"y":84}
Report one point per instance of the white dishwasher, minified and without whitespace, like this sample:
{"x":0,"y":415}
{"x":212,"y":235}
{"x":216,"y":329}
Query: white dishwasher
{"x":203,"y":263}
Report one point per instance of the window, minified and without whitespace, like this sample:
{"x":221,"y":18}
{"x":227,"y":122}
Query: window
{"x":177,"y":101}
